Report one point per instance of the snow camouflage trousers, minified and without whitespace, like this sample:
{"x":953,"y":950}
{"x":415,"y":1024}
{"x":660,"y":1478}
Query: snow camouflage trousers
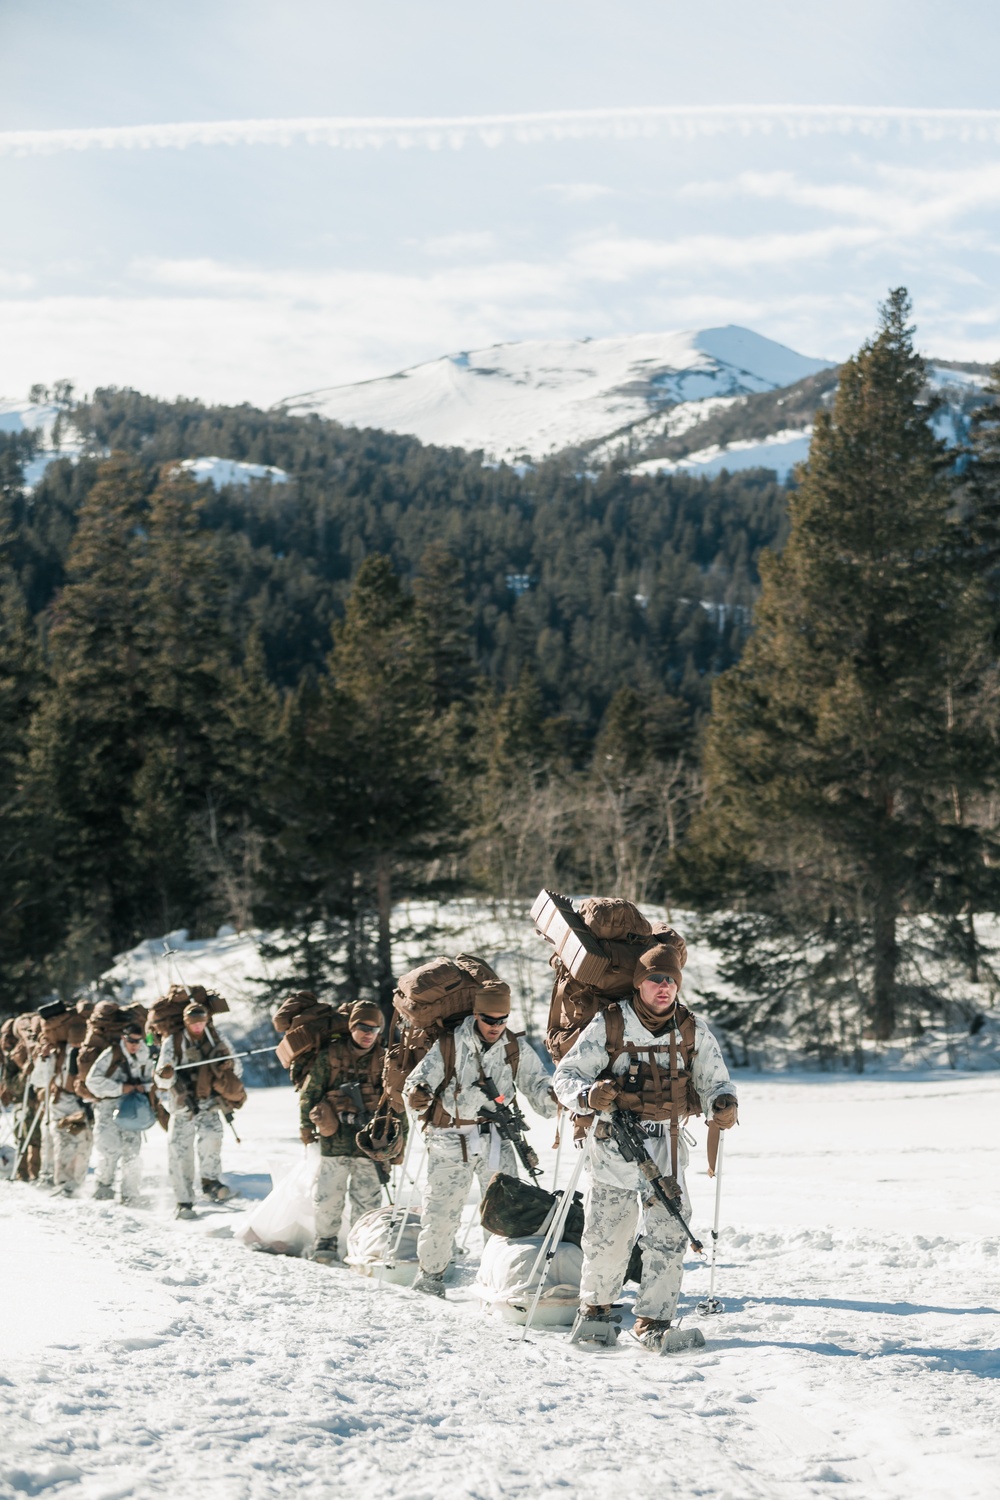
{"x":611,"y":1218}
{"x":336,"y":1175}
{"x":113,"y":1146}
{"x":71,"y":1156}
{"x":445,"y":1191}
{"x":183,"y":1132}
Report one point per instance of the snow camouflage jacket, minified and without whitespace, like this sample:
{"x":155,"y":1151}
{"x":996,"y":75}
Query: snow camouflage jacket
{"x":177,"y":1093}
{"x":588,"y":1058}
{"x":461,"y":1096}
{"x":338,"y":1063}
{"x":55,"y":1074}
{"x":110,"y":1072}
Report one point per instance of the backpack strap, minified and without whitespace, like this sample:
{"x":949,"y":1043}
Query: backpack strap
{"x":512,"y":1051}
{"x":614,"y":1022}
{"x":446,"y":1042}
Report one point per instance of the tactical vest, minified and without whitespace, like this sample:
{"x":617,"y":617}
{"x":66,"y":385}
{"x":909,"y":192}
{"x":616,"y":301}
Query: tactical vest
{"x":348,"y":1065}
{"x":436,"y":1114}
{"x":647,"y":1088}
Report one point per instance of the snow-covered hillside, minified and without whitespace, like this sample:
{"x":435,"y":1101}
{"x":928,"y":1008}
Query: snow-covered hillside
{"x":538,"y":397}
{"x":859,"y":1268}
{"x":503,"y":934}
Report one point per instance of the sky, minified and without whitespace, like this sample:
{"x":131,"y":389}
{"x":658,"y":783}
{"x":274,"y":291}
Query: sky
{"x":238,"y":200}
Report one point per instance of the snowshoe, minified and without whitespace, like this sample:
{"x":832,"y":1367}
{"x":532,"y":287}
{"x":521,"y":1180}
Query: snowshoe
{"x":104,"y":1193}
{"x":594,"y":1324}
{"x":431,"y":1282}
{"x":658,"y":1337}
{"x":185,"y":1211}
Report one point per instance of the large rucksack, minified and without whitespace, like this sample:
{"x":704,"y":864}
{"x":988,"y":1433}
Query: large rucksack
{"x":62,"y":1024}
{"x":166,"y":1015}
{"x":307,"y":1025}
{"x":107,"y":1022}
{"x":430,"y":1003}
{"x":597,"y":949}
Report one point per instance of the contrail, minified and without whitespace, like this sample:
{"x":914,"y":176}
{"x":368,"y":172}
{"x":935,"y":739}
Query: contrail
{"x":454,"y":132}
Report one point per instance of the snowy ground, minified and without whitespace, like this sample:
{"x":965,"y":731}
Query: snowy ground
{"x":859,"y":1268}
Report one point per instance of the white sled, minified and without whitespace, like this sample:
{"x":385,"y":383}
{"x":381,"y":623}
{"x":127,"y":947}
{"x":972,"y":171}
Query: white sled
{"x":505,"y":1290}
{"x":371,"y":1242}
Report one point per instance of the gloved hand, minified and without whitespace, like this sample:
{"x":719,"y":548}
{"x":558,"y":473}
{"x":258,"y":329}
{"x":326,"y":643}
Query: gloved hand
{"x":602,"y":1094}
{"x":166,"y":1073}
{"x":724,"y":1111}
{"x":307,"y":1135}
{"x":421,"y":1098}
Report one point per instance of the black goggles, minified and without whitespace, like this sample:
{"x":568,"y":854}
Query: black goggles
{"x":493,"y":1020}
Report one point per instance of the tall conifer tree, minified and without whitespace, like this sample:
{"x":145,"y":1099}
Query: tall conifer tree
{"x":841,"y":748}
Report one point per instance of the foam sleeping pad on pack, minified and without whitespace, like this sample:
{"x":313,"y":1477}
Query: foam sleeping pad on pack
{"x":285,"y":1221}
{"x":504,"y":1286}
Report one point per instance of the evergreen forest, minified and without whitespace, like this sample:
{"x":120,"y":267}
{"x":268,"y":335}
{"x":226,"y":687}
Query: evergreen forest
{"x":406,"y":671}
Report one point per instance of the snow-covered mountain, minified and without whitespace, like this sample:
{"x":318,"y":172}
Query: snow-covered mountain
{"x":540,"y":397}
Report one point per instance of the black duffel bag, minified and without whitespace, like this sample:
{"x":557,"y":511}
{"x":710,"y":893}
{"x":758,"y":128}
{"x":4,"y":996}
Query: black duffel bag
{"x":516,"y":1209}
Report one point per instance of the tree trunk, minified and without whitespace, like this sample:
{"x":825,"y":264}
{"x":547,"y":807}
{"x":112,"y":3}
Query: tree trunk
{"x":383,"y":892}
{"x":886,"y":958}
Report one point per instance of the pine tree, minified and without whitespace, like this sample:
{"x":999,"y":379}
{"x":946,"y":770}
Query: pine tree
{"x":842,"y":747}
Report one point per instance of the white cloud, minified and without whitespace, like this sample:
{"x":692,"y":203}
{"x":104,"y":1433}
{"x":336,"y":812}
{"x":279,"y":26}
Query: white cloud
{"x":455,"y":131}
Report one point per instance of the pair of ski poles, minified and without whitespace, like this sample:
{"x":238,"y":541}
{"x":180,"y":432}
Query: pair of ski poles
{"x":546,"y":1251}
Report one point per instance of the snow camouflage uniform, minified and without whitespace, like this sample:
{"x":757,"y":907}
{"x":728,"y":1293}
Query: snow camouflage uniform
{"x":106,"y":1079}
{"x":344,"y":1168}
{"x":194,"y":1109}
{"x":68,"y":1118}
{"x":617,"y":1197}
{"x":455,"y":1147}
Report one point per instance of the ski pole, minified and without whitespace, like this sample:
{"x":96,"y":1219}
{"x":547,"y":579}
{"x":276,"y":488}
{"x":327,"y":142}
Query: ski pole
{"x":27,"y":1141}
{"x":711,"y":1303}
{"x":553,"y":1238}
{"x":561,"y":1134}
{"x":226,"y":1057}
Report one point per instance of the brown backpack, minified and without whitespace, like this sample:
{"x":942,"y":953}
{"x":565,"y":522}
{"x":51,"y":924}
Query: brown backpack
{"x":617,"y":935}
{"x":430,"y":1002}
{"x":166,"y":1015}
{"x":307,"y":1025}
{"x":107,"y":1022}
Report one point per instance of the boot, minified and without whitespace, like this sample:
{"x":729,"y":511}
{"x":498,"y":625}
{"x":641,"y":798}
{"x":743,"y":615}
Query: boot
{"x":594,"y":1324}
{"x":324,"y":1250}
{"x":431,"y":1282}
{"x":185,"y":1211}
{"x":216,"y":1190}
{"x":103,"y":1192}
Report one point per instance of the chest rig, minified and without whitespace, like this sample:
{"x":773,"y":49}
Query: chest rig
{"x":653,"y":1087}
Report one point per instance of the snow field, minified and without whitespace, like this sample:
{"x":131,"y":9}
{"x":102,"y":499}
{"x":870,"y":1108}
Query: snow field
{"x":860,"y":1268}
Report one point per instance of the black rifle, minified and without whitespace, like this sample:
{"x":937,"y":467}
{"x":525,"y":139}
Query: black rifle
{"x":510,"y":1123}
{"x":630,"y":1138}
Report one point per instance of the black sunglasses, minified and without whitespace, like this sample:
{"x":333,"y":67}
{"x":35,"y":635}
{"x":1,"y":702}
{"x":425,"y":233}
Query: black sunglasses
{"x":493,"y":1020}
{"x":366,"y":1026}
{"x":661,"y":979}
